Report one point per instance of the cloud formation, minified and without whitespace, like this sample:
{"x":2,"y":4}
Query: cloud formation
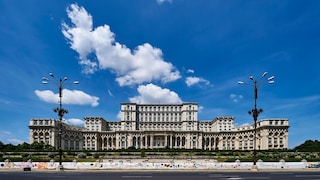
{"x":235,"y":97}
{"x":9,"y":137}
{"x":143,"y":64}
{"x":151,"y":93}
{"x":74,"y":121}
{"x":190,"y":81}
{"x":69,"y":97}
{"x":190,"y":71}
{"x":163,"y":1}
{"x":15,"y":141}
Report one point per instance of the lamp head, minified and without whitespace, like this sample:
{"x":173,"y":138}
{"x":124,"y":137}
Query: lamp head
{"x":271,"y":78}
{"x":264,"y":74}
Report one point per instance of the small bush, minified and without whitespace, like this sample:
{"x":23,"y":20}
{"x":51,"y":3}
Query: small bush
{"x":143,"y":153}
{"x":82,"y":155}
{"x":96,"y":155}
{"x":25,"y":155}
{"x":51,"y":155}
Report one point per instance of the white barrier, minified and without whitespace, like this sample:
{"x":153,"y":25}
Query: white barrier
{"x":132,"y":164}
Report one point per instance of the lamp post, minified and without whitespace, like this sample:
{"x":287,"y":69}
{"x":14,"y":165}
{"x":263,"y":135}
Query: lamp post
{"x":255,"y":112}
{"x":60,"y":83}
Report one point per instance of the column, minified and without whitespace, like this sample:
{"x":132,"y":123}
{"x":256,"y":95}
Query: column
{"x":199,"y":141}
{"x":166,"y":140}
{"x":107,"y":142}
{"x":102,"y":139}
{"x":97,"y":143}
{"x":129,"y":140}
{"x":141,"y":142}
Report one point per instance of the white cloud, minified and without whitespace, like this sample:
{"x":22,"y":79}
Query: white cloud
{"x":74,"y":121}
{"x":163,"y":1}
{"x":5,"y":132}
{"x":9,"y":137}
{"x":235,"y":97}
{"x":200,"y":109}
{"x":15,"y":141}
{"x":244,"y":124}
{"x":110,"y":93}
{"x":119,"y":115}
{"x":151,"y":93}
{"x":143,"y":64}
{"x":190,"y":81}
{"x":190,"y":71}
{"x":69,"y":97}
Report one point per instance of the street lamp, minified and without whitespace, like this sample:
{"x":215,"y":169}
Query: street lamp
{"x":255,"y":112}
{"x":60,"y":83}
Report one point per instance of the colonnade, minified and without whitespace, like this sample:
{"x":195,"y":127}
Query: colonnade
{"x":140,"y":141}
{"x":207,"y":141}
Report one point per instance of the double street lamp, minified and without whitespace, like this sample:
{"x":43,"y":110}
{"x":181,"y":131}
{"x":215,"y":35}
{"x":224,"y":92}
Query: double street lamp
{"x":255,"y":112}
{"x":60,"y":83}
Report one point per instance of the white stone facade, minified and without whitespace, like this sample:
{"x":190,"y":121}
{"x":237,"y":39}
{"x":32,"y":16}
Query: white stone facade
{"x":162,"y":126}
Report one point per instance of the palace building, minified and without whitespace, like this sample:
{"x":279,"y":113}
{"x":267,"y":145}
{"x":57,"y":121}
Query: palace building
{"x":149,"y":126}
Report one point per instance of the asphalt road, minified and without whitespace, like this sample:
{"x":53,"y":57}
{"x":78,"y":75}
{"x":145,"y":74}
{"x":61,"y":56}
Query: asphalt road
{"x":315,"y":175}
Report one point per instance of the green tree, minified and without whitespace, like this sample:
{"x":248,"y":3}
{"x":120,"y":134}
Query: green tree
{"x":1,"y":145}
{"x":143,"y":153}
{"x":22,"y":147}
{"x":9,"y":147}
{"x":309,"y":146}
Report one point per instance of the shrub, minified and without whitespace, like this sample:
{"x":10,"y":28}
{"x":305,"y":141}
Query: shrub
{"x":51,"y":155}
{"x":96,"y":155}
{"x":82,"y":155}
{"x":25,"y":155}
{"x":143,"y":153}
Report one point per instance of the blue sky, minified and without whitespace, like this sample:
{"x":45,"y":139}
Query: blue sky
{"x":160,"y":51}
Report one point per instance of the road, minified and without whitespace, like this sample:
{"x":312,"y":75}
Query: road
{"x":97,"y":175}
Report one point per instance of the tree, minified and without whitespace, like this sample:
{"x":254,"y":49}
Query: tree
{"x":37,"y":145}
{"x":309,"y":146}
{"x":9,"y":147}
{"x":23,"y":146}
{"x":1,"y":145}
